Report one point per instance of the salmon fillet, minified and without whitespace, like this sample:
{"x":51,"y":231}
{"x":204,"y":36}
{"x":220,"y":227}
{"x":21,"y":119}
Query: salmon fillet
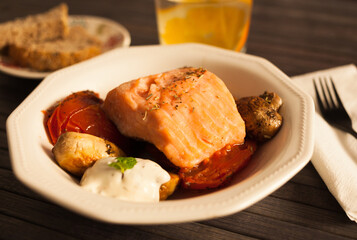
{"x":187,"y":113}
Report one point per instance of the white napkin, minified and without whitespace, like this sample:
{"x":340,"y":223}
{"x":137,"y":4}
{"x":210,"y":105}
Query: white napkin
{"x":335,"y":152}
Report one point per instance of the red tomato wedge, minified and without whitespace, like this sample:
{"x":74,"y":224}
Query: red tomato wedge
{"x":219,"y":168}
{"x":82,"y":112}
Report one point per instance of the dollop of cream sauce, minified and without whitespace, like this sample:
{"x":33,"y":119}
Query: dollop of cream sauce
{"x":140,"y":184}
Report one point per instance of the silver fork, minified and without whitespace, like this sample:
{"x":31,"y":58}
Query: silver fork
{"x":333,"y":110}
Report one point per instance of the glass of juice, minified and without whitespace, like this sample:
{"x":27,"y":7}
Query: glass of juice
{"x":221,"y":23}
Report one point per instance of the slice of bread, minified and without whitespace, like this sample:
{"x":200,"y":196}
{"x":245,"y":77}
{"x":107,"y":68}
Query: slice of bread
{"x":56,"y":54}
{"x":50,"y":25}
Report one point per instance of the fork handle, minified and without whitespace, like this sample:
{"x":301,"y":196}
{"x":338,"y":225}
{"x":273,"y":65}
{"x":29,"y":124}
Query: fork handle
{"x":348,"y":130}
{"x":354,"y":133}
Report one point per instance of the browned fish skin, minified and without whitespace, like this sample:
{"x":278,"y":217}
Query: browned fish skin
{"x":187,"y":113}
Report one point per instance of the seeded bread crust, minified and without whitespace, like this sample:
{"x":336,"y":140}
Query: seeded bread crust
{"x":50,"y":25}
{"x":52,"y":55}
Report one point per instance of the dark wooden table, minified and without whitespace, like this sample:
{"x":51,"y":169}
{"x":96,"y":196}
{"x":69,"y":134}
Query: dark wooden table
{"x":298,"y":36}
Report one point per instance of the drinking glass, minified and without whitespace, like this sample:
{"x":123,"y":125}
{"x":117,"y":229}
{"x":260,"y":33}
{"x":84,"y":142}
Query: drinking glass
{"x":221,"y":23}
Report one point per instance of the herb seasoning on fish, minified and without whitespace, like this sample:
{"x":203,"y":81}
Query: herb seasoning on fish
{"x":179,"y":113}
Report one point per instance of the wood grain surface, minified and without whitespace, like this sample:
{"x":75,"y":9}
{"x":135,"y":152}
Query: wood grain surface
{"x":298,"y":36}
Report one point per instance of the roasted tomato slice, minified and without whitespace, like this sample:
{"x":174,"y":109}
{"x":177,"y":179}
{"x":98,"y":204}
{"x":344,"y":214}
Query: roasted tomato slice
{"x":219,"y":168}
{"x":59,"y":116}
{"x":82,"y":112}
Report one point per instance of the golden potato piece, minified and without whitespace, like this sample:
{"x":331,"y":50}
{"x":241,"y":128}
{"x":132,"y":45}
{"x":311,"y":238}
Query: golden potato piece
{"x":169,"y":187}
{"x":75,"y":152}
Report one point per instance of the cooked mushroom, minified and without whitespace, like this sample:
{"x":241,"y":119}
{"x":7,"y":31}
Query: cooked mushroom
{"x":75,"y":152}
{"x":273,"y":99}
{"x":260,"y":115}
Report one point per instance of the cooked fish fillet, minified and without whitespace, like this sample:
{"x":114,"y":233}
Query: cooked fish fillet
{"x":187,"y":113}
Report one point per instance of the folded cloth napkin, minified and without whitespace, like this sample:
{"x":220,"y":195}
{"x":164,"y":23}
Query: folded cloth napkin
{"x":335,"y":152}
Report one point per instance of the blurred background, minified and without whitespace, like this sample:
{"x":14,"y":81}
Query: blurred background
{"x":298,"y":36}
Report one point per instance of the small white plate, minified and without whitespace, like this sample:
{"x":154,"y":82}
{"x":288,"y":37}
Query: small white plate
{"x":111,"y":33}
{"x":272,"y":165}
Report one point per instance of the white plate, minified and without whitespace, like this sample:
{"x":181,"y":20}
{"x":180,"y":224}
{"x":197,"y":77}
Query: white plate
{"x":111,"y":33}
{"x":273,"y":164}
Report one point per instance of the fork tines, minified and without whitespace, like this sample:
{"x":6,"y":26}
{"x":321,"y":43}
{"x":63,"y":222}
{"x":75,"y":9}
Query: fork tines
{"x":331,"y":105}
{"x":332,"y":101}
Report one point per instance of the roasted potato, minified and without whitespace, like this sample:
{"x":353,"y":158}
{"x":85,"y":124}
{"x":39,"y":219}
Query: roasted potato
{"x":75,"y":152}
{"x":169,"y":187}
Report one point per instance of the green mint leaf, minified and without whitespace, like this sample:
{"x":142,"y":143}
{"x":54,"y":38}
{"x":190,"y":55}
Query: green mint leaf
{"x":123,"y":163}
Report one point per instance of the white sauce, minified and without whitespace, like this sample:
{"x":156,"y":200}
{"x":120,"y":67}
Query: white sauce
{"x":139,"y":184}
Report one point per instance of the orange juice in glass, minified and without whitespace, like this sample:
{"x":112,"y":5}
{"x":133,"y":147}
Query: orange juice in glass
{"x":221,"y":23}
